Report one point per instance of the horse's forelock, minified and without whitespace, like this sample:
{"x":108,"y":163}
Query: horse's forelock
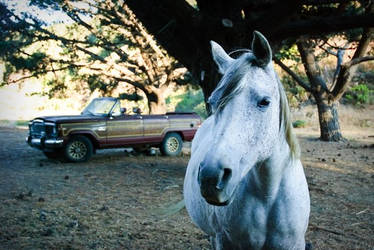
{"x":229,"y":84}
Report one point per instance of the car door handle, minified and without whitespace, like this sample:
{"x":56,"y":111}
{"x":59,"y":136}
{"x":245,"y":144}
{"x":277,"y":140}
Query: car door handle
{"x":101,"y":129}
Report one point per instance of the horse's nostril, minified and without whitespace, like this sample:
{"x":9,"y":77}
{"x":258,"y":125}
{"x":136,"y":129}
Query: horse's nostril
{"x":227,"y":173}
{"x":224,"y":179}
{"x":198,"y":175}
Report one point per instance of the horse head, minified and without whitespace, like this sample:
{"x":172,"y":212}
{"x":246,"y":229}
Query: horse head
{"x":247,"y":106}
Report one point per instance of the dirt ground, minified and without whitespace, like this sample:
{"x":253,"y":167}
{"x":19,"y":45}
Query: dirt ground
{"x":121,"y":201}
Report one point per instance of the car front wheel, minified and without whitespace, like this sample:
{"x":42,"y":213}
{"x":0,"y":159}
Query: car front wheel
{"x":171,"y":145}
{"x":78,"y":149}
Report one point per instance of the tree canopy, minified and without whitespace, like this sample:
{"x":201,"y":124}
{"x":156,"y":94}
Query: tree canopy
{"x":184,"y":28}
{"x":103,"y":46}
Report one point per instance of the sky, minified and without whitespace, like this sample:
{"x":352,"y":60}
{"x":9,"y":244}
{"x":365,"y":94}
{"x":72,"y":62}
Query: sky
{"x":16,"y":103}
{"x":48,"y":16}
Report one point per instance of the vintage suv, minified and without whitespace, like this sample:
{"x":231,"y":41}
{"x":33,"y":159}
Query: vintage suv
{"x":104,"y":124}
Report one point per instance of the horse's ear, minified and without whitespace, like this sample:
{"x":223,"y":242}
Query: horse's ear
{"x":220,"y":57}
{"x":261,"y":49}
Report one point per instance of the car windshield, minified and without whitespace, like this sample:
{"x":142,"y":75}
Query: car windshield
{"x":99,"y":107}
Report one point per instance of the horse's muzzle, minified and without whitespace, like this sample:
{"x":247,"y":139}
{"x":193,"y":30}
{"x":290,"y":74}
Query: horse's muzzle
{"x":213,"y":181}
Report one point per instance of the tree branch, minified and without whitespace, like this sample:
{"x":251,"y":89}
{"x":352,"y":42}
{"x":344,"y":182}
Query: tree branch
{"x":348,"y":69}
{"x":318,"y":26}
{"x":292,"y":74}
{"x":35,"y":74}
{"x":93,"y":55}
{"x":345,"y":47}
{"x":360,"y":60}
{"x":73,"y":14}
{"x":129,"y":81}
{"x":306,"y":50}
{"x":51,"y":36}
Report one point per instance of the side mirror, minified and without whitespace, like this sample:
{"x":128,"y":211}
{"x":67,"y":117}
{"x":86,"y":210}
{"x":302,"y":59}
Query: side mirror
{"x":136,"y":110}
{"x":123,"y":110}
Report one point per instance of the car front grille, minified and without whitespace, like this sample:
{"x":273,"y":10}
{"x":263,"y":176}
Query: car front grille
{"x":40,"y":129}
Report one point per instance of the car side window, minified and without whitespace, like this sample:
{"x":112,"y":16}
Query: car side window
{"x":116,"y":111}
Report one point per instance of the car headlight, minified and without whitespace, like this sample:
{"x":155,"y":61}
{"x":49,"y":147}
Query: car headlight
{"x":51,"y":129}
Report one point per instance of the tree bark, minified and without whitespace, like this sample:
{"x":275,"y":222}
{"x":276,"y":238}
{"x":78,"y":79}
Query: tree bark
{"x":156,"y":102}
{"x":157,"y":107}
{"x":328,"y":121}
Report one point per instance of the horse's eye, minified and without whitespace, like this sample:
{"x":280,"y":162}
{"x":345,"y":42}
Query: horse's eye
{"x":264,"y":102}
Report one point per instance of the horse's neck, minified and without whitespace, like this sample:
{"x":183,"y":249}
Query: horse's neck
{"x":267,"y":175}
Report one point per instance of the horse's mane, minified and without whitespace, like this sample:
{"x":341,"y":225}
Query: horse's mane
{"x":285,"y":123}
{"x":229,"y":86}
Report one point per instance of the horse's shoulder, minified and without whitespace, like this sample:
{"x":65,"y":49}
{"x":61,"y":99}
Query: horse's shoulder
{"x":292,"y":198}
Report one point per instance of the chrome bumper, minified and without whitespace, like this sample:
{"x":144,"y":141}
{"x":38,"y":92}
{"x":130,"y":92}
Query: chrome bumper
{"x":44,"y":143}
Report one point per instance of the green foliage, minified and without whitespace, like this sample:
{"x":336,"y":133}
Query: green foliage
{"x":31,"y":63}
{"x":299,"y":124}
{"x":86,"y":55}
{"x":8,"y":70}
{"x":120,"y":39}
{"x":190,"y":101}
{"x":295,"y":93}
{"x":289,"y":52}
{"x":55,"y":88}
{"x":92,"y":39}
{"x":359,"y":94}
{"x":200,"y":109}
{"x":94,"y":82}
{"x":131,"y":97}
{"x":22,"y":122}
{"x":104,"y":53}
{"x":73,"y":72}
{"x":6,"y":47}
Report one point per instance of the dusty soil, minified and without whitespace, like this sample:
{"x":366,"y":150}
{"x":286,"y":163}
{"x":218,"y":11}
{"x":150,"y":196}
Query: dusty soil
{"x":119,"y":201}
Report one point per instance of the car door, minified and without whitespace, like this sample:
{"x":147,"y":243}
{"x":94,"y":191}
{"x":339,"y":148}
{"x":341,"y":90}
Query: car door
{"x":155,"y":127}
{"x":123,"y":130}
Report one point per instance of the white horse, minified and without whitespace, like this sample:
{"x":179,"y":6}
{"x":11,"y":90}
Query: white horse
{"x":245,"y":185}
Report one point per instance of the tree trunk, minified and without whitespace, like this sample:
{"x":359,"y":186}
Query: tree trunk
{"x":157,"y":107}
{"x":327,"y":112}
{"x":328,"y":121}
{"x":156,"y":102}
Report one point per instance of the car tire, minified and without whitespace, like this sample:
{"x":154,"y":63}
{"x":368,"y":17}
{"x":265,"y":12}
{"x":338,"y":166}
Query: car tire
{"x":78,"y":149}
{"x":171,"y":145}
{"x":53,"y":154}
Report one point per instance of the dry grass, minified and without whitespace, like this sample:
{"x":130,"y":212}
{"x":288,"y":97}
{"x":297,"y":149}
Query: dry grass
{"x":352,"y":119}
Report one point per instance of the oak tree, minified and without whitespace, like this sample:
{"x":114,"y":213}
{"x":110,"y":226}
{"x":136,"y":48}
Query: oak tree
{"x":184,"y":28}
{"x":103,"y":45}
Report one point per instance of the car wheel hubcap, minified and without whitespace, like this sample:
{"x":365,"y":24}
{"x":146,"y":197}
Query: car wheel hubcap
{"x":173,"y":144}
{"x":77,"y":150}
